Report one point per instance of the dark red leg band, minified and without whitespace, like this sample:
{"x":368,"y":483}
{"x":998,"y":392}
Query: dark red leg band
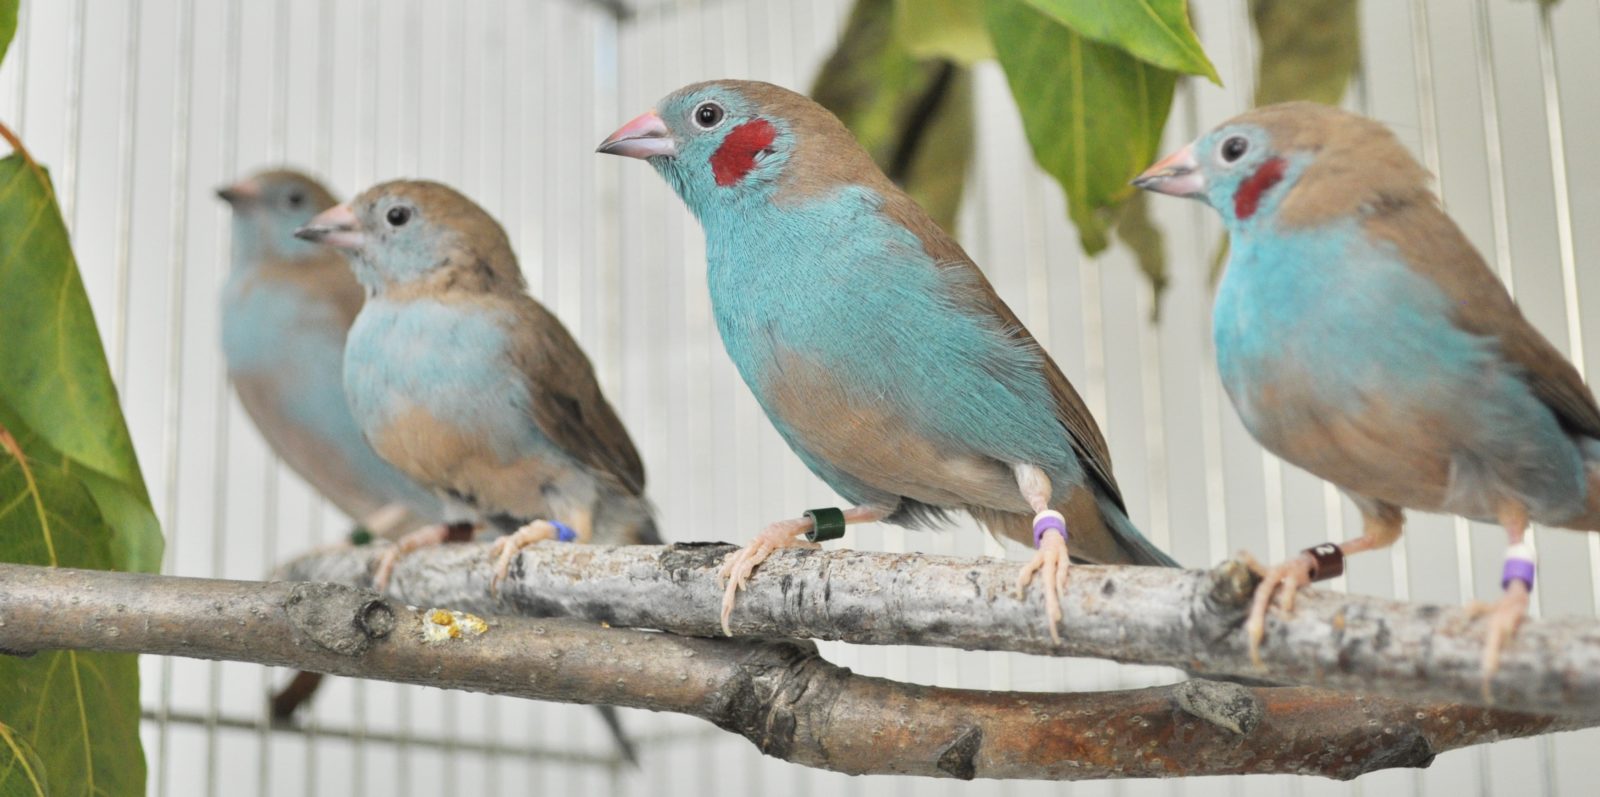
{"x":1329,"y":560}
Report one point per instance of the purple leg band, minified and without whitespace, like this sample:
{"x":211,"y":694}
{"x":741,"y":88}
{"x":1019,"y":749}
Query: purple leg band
{"x":1048,"y":521}
{"x":1517,"y":570}
{"x":564,"y":533}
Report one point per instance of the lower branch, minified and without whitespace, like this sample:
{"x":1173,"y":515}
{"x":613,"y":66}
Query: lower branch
{"x":780,"y":695}
{"x":1183,"y":618}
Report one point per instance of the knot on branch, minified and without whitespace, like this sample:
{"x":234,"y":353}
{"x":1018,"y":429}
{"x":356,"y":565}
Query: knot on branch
{"x":1231,"y":707}
{"x":778,"y":687}
{"x":337,"y":618}
{"x":959,"y":760}
{"x":1220,"y":603}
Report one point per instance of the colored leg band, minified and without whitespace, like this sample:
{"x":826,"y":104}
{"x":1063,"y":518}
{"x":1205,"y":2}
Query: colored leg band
{"x":1048,"y":520}
{"x":1329,"y":559}
{"x":1521,"y":562}
{"x":564,"y":533}
{"x":458,"y":532}
{"x":826,"y":524}
{"x":360,"y":536}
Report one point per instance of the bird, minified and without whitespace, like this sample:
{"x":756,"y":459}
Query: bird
{"x":1360,"y":336}
{"x":469,"y":386}
{"x":874,"y":344}
{"x":286,"y":308}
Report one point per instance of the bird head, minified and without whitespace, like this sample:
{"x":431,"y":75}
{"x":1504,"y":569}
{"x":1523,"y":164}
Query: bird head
{"x":724,"y":142}
{"x":267,"y":209}
{"x":1296,"y":163}
{"x":415,"y":231}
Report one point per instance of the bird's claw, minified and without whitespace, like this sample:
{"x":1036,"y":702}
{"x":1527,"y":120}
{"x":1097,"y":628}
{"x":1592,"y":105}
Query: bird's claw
{"x":738,"y":567}
{"x":504,"y":550}
{"x":1286,"y":578}
{"x":421,"y":538}
{"x":1052,"y":562}
{"x":1504,"y":617}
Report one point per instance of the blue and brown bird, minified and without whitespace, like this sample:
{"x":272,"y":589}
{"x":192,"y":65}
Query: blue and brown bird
{"x":472,"y":388}
{"x":468,"y":385}
{"x":874,"y":344}
{"x":1361,"y":337}
{"x":286,"y":309}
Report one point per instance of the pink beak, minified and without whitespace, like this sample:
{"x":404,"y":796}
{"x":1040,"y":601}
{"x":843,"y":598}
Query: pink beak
{"x":644,"y":137}
{"x":242,"y":191}
{"x":1177,"y":174}
{"x":337,"y":227}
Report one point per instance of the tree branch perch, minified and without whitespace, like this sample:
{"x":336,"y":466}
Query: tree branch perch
{"x":1186,"y":619}
{"x":780,"y":695}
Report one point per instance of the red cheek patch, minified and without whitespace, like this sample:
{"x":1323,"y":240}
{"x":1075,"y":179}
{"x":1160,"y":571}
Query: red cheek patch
{"x":1248,"y":197}
{"x":737,"y":155}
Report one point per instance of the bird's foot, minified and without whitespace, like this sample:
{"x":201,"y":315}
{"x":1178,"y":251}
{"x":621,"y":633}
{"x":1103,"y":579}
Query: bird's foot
{"x":1505,"y":615}
{"x":736,"y":569}
{"x":506,"y":548}
{"x":1283,"y":583}
{"x":436,"y":534}
{"x":1051,"y":562}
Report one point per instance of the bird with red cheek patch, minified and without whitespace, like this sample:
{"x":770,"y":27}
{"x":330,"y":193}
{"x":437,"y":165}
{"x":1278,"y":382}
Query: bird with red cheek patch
{"x":875,"y":345}
{"x":1361,"y":337}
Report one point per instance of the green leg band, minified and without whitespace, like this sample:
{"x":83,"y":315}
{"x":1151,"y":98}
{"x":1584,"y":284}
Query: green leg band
{"x":826,"y":524}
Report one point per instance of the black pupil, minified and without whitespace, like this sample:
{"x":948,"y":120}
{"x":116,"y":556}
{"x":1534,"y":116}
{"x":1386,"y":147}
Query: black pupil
{"x":708,"y":115}
{"x":1234,"y":148}
{"x":399,"y":216}
{"x":295,"y":200}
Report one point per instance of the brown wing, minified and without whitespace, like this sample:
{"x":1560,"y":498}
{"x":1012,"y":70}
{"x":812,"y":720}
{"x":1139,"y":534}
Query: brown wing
{"x":1087,"y":442}
{"x":568,"y":406}
{"x":1082,"y":430}
{"x":1431,"y":243}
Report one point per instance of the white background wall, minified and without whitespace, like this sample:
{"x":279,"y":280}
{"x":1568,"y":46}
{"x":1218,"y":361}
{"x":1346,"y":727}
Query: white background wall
{"x":141,"y":108}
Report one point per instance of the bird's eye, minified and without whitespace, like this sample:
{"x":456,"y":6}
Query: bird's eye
{"x":708,"y":115}
{"x":296,"y":198}
{"x":1235,"y":148}
{"x":398,"y":215}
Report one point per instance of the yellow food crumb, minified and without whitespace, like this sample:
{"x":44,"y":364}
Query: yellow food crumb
{"x":439,"y":625}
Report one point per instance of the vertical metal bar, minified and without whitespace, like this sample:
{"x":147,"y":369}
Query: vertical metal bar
{"x":233,"y":30}
{"x":277,"y":137}
{"x":172,"y":399}
{"x":1569,"y":291}
{"x":177,"y":273}
{"x":125,"y":141}
{"x":1215,"y":471}
{"x":68,"y":190}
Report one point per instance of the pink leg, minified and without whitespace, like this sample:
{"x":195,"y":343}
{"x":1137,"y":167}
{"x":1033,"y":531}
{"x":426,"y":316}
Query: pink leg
{"x":437,"y":534}
{"x":740,"y":564}
{"x":1378,"y":531}
{"x":1506,"y":614}
{"x":506,"y":548}
{"x":1050,"y":559}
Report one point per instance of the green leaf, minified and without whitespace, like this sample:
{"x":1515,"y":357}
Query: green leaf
{"x":950,"y":29}
{"x":69,"y":721}
{"x":8,"y":25}
{"x":1309,"y":49}
{"x":1093,"y":113}
{"x":1157,"y":31}
{"x":914,"y":116}
{"x":58,"y":384}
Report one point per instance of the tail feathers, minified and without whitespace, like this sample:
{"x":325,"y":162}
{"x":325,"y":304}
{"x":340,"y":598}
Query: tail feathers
{"x":625,"y":746}
{"x":1139,"y":550}
{"x":646,"y":533}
